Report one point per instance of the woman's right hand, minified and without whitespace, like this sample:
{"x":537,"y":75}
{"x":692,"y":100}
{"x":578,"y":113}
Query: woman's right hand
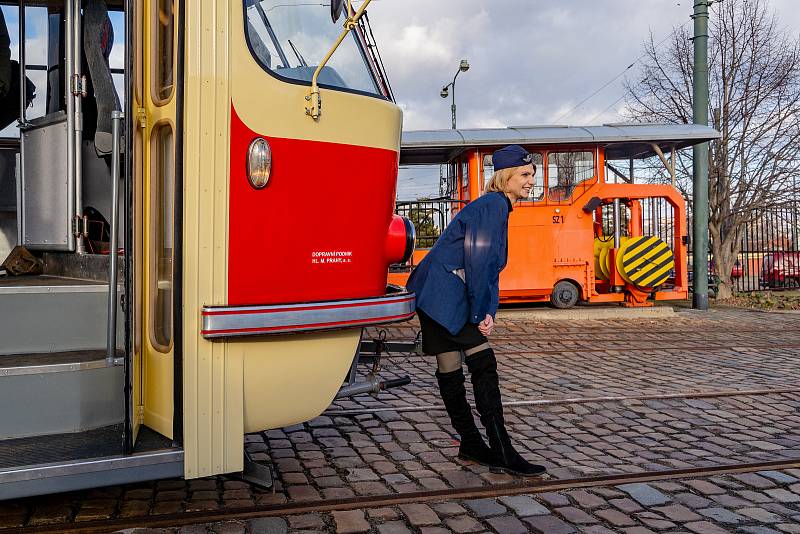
{"x":487,"y":325}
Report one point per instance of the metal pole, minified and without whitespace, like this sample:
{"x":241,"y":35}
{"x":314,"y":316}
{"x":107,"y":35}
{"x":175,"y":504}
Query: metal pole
{"x":76,"y":89}
{"x":700,"y":163}
{"x":69,"y":63}
{"x":22,"y":84}
{"x":111,"y":338}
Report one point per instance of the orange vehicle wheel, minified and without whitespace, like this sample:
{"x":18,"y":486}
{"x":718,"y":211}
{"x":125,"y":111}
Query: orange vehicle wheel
{"x":565,"y":295}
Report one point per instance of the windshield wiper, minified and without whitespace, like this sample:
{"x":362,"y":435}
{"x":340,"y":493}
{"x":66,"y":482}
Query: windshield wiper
{"x":297,"y":54}
{"x":272,"y":36}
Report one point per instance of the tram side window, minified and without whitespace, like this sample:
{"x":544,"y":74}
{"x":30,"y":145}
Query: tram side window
{"x":537,"y":191}
{"x":164,"y":61}
{"x":162,"y":220}
{"x":291,"y":37}
{"x":566,"y":171}
{"x":37,"y":43}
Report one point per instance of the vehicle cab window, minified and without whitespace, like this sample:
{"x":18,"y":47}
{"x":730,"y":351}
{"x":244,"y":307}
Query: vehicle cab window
{"x":537,"y":191}
{"x":566,"y":172}
{"x":290,"y":38}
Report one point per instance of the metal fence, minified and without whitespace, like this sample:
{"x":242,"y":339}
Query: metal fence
{"x":770,"y":255}
{"x":430,"y":217}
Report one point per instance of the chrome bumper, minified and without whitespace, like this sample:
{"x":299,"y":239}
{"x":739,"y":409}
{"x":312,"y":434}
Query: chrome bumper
{"x":232,"y":321}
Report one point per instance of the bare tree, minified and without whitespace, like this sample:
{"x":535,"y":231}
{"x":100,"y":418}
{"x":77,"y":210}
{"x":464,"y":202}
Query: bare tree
{"x":754,"y":89}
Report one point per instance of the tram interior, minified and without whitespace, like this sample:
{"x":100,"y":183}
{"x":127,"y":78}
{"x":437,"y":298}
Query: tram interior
{"x":62,"y":391}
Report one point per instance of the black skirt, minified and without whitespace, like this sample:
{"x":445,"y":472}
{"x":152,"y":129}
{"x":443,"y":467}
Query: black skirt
{"x":436,"y":339}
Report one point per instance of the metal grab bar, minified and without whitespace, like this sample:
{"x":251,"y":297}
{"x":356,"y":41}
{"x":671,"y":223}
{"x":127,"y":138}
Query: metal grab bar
{"x":116,"y":143}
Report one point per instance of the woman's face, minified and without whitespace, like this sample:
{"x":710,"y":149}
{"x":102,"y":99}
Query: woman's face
{"x":520,"y":183}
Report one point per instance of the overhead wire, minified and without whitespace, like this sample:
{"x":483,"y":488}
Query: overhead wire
{"x":612,"y":80}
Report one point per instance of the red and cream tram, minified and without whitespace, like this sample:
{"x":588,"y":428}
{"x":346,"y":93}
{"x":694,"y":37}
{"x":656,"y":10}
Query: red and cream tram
{"x":223,"y":152}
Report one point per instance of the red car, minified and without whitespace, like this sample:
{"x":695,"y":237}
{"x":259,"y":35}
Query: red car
{"x":780,"y":269}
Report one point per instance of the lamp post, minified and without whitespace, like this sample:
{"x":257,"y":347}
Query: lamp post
{"x":463,"y":67}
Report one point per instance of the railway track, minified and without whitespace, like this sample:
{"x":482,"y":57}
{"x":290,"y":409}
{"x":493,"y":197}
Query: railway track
{"x":593,"y":347}
{"x":581,"y":400}
{"x":515,"y":488}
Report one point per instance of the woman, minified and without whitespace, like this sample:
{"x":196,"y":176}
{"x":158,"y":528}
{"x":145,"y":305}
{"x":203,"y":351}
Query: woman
{"x":457,"y":288}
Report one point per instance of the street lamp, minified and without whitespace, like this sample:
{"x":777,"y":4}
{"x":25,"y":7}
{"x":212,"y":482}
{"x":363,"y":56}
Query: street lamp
{"x":463,"y":67}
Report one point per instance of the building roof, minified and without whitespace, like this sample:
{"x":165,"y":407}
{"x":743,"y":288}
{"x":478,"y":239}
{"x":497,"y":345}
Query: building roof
{"x":622,"y":141}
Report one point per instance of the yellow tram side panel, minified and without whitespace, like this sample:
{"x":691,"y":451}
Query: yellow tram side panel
{"x":237,"y":386}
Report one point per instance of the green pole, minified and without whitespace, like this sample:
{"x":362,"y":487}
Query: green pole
{"x":700,"y":174}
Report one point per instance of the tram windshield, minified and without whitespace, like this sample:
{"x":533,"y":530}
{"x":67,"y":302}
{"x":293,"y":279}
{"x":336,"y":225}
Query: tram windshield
{"x":291,"y":37}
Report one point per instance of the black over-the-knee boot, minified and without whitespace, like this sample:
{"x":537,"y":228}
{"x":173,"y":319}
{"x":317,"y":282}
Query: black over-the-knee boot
{"x":483,"y":367}
{"x":454,"y":395}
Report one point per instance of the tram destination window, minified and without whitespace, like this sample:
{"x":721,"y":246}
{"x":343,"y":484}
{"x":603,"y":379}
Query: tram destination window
{"x":566,"y":171}
{"x":291,"y":37}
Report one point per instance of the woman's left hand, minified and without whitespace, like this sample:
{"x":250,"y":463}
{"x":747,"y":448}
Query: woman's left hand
{"x":487,"y":325}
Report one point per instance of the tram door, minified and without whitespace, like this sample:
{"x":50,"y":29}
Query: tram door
{"x":155,"y":172}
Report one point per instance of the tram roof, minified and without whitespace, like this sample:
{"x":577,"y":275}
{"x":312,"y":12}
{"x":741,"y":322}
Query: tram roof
{"x":621,"y":141}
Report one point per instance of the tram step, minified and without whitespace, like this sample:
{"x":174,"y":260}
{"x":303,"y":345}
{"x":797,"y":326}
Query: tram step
{"x":59,"y":392}
{"x":77,"y":460}
{"x":52,"y":314}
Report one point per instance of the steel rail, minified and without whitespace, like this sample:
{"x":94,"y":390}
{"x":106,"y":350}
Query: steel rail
{"x":580,"y":400}
{"x":544,"y":351}
{"x":352,"y":503}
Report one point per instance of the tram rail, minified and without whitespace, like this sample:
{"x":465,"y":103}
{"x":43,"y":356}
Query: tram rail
{"x":708,"y":394}
{"x":323,"y":505}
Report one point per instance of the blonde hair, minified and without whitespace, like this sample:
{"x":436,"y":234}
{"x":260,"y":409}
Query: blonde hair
{"x":499,"y":179}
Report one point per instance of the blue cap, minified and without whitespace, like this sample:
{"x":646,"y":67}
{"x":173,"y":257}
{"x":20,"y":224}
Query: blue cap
{"x":511,"y":156}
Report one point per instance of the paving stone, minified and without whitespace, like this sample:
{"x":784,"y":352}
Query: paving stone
{"x":554,"y":499}
{"x":524,"y":506}
{"x":705,"y":487}
{"x":758,"y":530}
{"x":721,"y":515}
{"x":350,"y":522}
{"x":229,"y":527}
{"x":485,"y":507}
{"x":548,"y":524}
{"x":306,"y":521}
{"x":507,"y":524}
{"x":693,"y":501}
{"x":704,"y":527}
{"x":394,"y":527}
{"x":645,"y":494}
{"x":384,"y":514}
{"x":792,"y":528}
{"x":268,"y":525}
{"x":759,"y":514}
{"x":615,"y":517}
{"x":626,"y":505}
{"x":755,"y":480}
{"x":575,"y":515}
{"x":781,"y":495}
{"x":676,"y":512}
{"x":463,"y":523}
{"x":778,"y":476}
{"x":448,"y":508}
{"x":584,"y":499}
{"x":420,"y":514}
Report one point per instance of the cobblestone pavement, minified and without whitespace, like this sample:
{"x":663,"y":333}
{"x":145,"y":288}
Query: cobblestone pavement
{"x":766,"y":502}
{"x":401,"y":441}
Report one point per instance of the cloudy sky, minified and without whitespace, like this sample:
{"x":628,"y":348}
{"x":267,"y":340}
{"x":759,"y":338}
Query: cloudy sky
{"x":532,"y":61}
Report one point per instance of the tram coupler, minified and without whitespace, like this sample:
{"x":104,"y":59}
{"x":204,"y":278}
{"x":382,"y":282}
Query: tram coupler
{"x":373,"y":386}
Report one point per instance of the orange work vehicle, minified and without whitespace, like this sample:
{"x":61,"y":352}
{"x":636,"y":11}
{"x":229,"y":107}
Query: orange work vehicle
{"x":587,"y":232}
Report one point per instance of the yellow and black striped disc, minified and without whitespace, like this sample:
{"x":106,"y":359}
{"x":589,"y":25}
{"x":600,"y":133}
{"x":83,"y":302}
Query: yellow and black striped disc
{"x":645,"y":261}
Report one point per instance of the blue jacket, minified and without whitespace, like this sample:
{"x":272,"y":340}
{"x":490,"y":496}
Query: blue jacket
{"x":476,"y":241}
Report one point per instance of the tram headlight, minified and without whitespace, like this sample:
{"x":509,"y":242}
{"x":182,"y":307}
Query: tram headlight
{"x":259,"y":163}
